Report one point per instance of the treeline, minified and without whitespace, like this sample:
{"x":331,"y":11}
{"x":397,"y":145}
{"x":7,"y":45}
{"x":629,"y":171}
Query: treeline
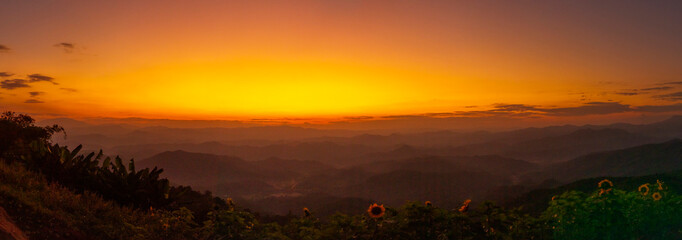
{"x":160,"y":211}
{"x":112,"y":179}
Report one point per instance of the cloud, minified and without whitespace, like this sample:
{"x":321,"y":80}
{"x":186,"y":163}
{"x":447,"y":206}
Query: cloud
{"x":358,"y":117}
{"x":6,"y":74}
{"x":626,"y":93}
{"x":670,"y":97}
{"x":524,"y":110}
{"x":657,"y":88}
{"x":14,"y":83}
{"x":501,"y":107}
{"x":439,"y":114}
{"x":4,"y":48}
{"x":35,"y":94}
{"x":41,"y":78}
{"x":660,"y":108}
{"x":590,"y":108}
{"x":69,"y":89}
{"x":401,"y":116}
{"x":671,"y":83}
{"x":33,"y":101}
{"x":67,"y":47}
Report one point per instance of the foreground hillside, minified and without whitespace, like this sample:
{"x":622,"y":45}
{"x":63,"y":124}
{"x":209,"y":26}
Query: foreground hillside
{"x":52,"y":192}
{"x":44,"y":210}
{"x":535,"y":201}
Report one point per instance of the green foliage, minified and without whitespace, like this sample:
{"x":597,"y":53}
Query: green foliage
{"x":126,"y":185}
{"x":112,"y":179}
{"x":55,"y":193}
{"x":231,"y":224}
{"x":49,"y":211}
{"x":18,"y":130}
{"x":616,"y":214}
{"x":418,"y":221}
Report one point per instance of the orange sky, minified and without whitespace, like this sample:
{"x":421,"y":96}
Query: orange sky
{"x":335,"y":59}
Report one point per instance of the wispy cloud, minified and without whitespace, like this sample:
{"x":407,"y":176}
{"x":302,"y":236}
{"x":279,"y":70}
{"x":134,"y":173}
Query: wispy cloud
{"x":3,"y":48}
{"x":591,"y":108}
{"x":35,"y":94}
{"x":525,"y":110}
{"x":501,"y":107}
{"x":359,"y":117}
{"x":439,"y":114}
{"x":677,"y":96}
{"x":657,"y":88}
{"x":627,"y":93}
{"x":33,"y":101}
{"x":14,"y":84}
{"x":66,"y":47}
{"x":6,"y":74}
{"x":401,"y":116}
{"x":660,"y":108}
{"x":69,"y":89}
{"x":41,"y":78}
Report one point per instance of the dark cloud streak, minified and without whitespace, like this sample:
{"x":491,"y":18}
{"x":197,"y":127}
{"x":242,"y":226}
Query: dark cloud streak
{"x":590,"y":108}
{"x":41,"y":78}
{"x":627,"y":93}
{"x":33,"y":101}
{"x":67,"y":47}
{"x":660,"y":108}
{"x":14,"y":84}
{"x":34,"y":94}
{"x":656,"y":88}
{"x":677,"y":96}
{"x":69,"y":89}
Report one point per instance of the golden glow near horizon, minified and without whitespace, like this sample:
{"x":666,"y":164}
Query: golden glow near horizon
{"x":328,"y":59}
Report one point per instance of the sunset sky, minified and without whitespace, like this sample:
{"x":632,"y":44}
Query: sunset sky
{"x":340,"y":59}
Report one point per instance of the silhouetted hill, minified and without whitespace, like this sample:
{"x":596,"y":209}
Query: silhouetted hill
{"x":325,"y":152}
{"x":346,"y":148}
{"x":577,"y":143}
{"x":634,"y":161}
{"x":561,"y":147}
{"x":192,"y":168}
{"x":492,"y":164}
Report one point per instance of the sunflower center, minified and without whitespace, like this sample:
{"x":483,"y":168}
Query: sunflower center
{"x":376,"y":210}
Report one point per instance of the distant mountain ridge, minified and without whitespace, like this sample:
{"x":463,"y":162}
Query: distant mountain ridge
{"x":635,"y":161}
{"x":542,"y":145}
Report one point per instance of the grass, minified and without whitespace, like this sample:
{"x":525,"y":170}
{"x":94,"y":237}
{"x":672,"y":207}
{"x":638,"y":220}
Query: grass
{"x":49,"y":211}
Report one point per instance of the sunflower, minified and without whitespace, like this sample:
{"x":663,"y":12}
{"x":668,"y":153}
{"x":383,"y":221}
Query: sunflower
{"x":644,"y":186}
{"x":376,"y":210}
{"x":660,"y":184}
{"x":465,"y":206}
{"x":230,"y":204}
{"x":553,"y":198}
{"x":656,"y":196}
{"x":428,"y":204}
{"x":605,"y":181}
{"x":602,"y":191}
{"x":306,"y":212}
